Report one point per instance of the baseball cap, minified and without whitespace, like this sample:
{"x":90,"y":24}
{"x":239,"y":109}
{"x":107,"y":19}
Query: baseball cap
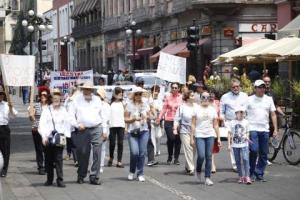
{"x":259,"y":83}
{"x":239,"y":108}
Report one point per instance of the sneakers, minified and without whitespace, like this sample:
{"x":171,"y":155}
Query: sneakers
{"x":151,"y":163}
{"x":208,"y":182}
{"x":141,"y":178}
{"x":130,"y":176}
{"x":247,"y":180}
{"x":269,"y":163}
{"x":176,"y":162}
{"x":101,"y":170}
{"x":261,"y":179}
{"x":241,"y":180}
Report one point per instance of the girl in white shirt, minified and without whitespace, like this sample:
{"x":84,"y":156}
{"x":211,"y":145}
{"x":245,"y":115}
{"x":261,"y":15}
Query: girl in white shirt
{"x":117,"y":127}
{"x":205,"y":127}
{"x":183,"y":123}
{"x":60,"y":123}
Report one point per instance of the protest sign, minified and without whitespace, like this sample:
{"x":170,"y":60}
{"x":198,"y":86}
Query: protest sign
{"x":64,"y":80}
{"x":17,"y":70}
{"x":171,"y":68}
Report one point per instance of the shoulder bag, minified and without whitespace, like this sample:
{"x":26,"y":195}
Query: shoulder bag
{"x":56,"y":139}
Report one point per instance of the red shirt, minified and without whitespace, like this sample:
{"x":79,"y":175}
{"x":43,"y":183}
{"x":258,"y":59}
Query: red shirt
{"x":170,"y":105}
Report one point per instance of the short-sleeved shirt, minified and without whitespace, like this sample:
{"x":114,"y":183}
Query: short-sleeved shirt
{"x":205,"y":121}
{"x":239,"y":130}
{"x":258,"y":112}
{"x":136,"y":111}
{"x":183,"y":117}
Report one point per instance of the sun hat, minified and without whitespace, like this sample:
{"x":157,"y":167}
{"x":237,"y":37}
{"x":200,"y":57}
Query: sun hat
{"x":101,"y":92}
{"x":56,"y":91}
{"x":191,"y":79}
{"x":87,"y":85}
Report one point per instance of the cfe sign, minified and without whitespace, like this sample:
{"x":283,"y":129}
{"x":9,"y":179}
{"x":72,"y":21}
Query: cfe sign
{"x":258,"y":28}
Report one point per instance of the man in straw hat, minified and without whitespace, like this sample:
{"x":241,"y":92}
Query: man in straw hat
{"x":6,"y":112}
{"x":88,"y":117}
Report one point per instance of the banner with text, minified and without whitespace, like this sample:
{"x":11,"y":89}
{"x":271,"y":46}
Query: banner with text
{"x":17,"y":70}
{"x":171,"y":68}
{"x":64,"y":80}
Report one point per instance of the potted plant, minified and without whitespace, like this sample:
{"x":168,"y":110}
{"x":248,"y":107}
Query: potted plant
{"x":296,"y":105}
{"x":247,"y":85}
{"x":279,"y":90}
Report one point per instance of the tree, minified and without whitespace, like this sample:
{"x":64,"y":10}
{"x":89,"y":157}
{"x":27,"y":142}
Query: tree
{"x":19,"y":41}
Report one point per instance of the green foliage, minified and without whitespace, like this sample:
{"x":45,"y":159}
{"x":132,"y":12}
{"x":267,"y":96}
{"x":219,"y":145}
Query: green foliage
{"x":218,"y":86}
{"x":19,"y":41}
{"x":246,"y":85}
{"x":296,"y":89}
{"x":278,"y":88}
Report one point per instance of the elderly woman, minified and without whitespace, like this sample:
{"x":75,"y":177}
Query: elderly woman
{"x":204,"y":129}
{"x":136,"y":116}
{"x":54,"y":119}
{"x":44,"y":99}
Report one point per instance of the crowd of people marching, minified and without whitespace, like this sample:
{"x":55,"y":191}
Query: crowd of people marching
{"x":189,"y":116}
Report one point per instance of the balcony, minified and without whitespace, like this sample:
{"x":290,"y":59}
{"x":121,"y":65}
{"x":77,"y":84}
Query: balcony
{"x":81,"y":31}
{"x":194,"y":2}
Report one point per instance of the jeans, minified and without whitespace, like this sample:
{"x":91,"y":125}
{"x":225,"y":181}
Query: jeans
{"x":241,"y":156}
{"x":25,"y":95}
{"x":204,"y":150}
{"x":173,"y":142}
{"x":259,"y":145}
{"x":138,"y":148}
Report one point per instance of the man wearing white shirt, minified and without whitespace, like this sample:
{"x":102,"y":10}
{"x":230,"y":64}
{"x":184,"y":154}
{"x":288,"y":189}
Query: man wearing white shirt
{"x":88,"y":117}
{"x":6,"y":112}
{"x":228,"y":103}
{"x":260,"y":108}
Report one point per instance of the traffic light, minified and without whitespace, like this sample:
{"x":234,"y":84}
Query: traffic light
{"x":42,"y":45}
{"x":192,"y":37}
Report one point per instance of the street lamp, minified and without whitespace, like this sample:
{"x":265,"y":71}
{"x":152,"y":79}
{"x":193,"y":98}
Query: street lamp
{"x":133,"y":31}
{"x":37,"y":22}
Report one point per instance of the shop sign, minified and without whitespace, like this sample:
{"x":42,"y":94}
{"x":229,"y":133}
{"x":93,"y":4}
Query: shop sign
{"x":206,"y":30}
{"x":228,"y":32}
{"x":258,"y":28}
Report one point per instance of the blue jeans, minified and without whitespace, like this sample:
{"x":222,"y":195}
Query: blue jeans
{"x":25,"y":95}
{"x":260,"y":146}
{"x":138,"y":148}
{"x":204,"y":150}
{"x":241,"y":156}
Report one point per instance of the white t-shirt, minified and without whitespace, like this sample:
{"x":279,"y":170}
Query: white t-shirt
{"x":258,"y":112}
{"x":238,"y":131}
{"x":204,"y":121}
{"x":117,"y":115}
{"x":183,"y":117}
{"x":137,"y":111}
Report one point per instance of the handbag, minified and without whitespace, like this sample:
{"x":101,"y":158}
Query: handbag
{"x":56,"y":139}
{"x":135,"y":132}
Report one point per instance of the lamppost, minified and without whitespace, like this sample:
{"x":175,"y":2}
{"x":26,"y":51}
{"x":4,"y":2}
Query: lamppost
{"x":40,"y":23}
{"x":133,"y":31}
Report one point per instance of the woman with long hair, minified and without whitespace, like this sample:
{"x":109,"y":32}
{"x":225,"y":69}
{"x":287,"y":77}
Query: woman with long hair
{"x":44,"y":99}
{"x":136,"y":116}
{"x":117,"y":127}
{"x":170,"y":105}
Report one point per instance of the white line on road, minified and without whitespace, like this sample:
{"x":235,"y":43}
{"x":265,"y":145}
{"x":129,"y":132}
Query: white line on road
{"x":169,"y":188}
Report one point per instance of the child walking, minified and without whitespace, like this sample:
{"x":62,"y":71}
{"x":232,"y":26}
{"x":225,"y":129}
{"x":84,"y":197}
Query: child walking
{"x":238,"y":139}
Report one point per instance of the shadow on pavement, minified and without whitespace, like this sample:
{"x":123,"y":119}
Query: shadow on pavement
{"x":229,"y":180}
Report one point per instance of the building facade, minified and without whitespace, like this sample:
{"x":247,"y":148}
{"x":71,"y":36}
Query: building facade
{"x":87,"y":33}
{"x":165,"y":21}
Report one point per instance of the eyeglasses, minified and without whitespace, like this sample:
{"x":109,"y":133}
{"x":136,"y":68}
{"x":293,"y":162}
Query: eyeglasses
{"x":205,"y":97}
{"x":174,"y":88}
{"x":138,"y":94}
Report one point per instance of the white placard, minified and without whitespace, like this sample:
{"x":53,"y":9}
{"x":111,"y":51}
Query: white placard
{"x":171,"y":68}
{"x":17,"y":70}
{"x":64,"y":80}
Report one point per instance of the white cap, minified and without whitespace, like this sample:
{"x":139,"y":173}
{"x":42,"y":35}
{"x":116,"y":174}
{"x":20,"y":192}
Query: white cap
{"x":239,"y":108}
{"x":258,"y":83}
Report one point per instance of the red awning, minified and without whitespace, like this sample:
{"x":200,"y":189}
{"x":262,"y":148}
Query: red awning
{"x":145,"y":51}
{"x":179,"y":49}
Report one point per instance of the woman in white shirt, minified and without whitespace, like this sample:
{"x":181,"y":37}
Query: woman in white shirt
{"x":183,"y":123}
{"x":55,"y":117}
{"x":136,"y":116}
{"x":204,"y":129}
{"x":117,"y":127}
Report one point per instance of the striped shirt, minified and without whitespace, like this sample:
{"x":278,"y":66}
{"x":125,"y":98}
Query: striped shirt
{"x":38,"y":108}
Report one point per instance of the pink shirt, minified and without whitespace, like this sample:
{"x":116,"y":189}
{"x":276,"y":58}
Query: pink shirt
{"x":170,"y":105}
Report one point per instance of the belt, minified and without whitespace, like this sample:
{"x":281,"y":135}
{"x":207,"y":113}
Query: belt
{"x":3,"y":125}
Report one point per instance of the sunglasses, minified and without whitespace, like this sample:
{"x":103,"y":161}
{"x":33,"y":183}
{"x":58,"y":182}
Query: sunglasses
{"x":174,"y":88}
{"x":205,"y":97}
{"x":138,"y":94}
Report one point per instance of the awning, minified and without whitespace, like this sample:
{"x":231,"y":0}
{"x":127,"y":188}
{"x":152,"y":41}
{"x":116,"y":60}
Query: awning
{"x":76,"y":10}
{"x":292,"y":28}
{"x":145,"y":51}
{"x":90,"y":5}
{"x":179,"y":49}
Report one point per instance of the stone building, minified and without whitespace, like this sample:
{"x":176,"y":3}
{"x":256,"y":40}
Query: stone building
{"x":87,"y":33}
{"x":164,"y":22}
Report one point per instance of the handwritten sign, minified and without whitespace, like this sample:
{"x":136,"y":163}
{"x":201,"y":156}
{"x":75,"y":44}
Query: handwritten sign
{"x":171,"y":68}
{"x":64,"y":80}
{"x":17,"y":70}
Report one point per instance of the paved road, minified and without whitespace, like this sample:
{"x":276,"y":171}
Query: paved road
{"x":162,"y":181}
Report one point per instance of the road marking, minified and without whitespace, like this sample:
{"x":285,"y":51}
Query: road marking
{"x":169,"y":188}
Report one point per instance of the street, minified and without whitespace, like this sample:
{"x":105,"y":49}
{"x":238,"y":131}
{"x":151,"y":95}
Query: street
{"x":162,"y":181}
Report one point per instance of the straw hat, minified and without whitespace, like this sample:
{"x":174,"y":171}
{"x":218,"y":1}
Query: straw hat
{"x":137,"y":89}
{"x":87,"y":85}
{"x":101,"y":92}
{"x":56,"y":91}
{"x":191,"y":79}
